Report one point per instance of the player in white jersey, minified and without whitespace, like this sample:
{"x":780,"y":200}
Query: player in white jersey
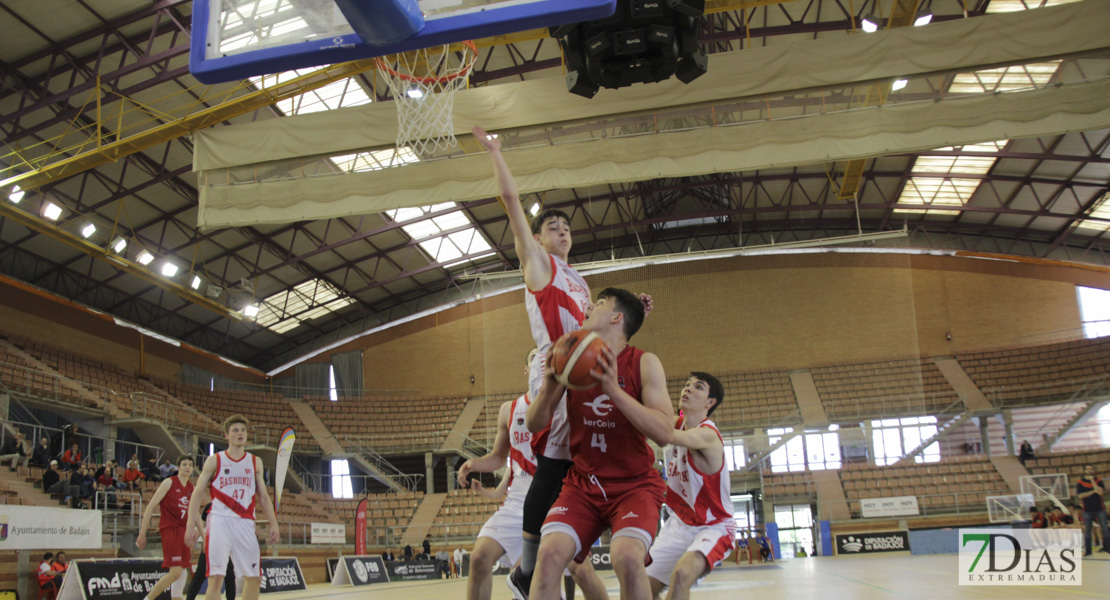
{"x":556,"y":299}
{"x":234,"y":480}
{"x":700,"y":530}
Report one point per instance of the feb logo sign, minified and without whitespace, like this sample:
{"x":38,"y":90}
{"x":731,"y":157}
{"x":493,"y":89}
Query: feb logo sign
{"x":1021,"y":557}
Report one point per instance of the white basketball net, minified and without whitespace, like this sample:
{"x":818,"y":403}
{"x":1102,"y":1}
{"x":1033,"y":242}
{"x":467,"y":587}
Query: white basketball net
{"x":423,"y":84}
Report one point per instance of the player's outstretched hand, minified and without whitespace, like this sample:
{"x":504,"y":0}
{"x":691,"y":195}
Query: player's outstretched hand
{"x":190,"y":537}
{"x":649,"y":304}
{"x":606,"y":371}
{"x":141,"y":541}
{"x":464,"y":470}
{"x":486,"y":140}
{"x":275,"y":535}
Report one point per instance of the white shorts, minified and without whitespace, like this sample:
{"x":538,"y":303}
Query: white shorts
{"x":676,"y":538}
{"x":507,"y":524}
{"x":234,"y":538}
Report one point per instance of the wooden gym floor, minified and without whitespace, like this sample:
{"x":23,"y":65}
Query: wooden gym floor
{"x":902,"y":577}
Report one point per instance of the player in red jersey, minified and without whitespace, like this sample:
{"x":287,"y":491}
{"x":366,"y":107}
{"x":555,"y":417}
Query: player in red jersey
{"x":172,"y":498}
{"x":234,"y":480}
{"x":613,"y":483}
{"x":700,"y":531}
{"x":556,"y":299}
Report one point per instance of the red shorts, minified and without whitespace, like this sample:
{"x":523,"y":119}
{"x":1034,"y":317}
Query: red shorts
{"x":174,"y":551}
{"x":588,"y":506}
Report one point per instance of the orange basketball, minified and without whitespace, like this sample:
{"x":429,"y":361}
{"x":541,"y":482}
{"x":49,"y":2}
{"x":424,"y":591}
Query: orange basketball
{"x":574,"y":356}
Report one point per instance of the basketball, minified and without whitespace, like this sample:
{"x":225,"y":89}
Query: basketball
{"x":574,"y":356}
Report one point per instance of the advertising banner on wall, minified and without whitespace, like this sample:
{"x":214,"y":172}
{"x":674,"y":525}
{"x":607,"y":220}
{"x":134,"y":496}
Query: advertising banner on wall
{"x":329,"y":533}
{"x":37,"y":528}
{"x":413,"y":570}
{"x":872,"y":542}
{"x":897,"y":506}
{"x":115,"y":579}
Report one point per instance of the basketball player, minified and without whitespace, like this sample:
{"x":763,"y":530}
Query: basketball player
{"x":613,"y":483}
{"x":500,"y":538}
{"x":556,"y":300}
{"x":233,"y":478}
{"x":172,"y":498}
{"x":700,"y":531}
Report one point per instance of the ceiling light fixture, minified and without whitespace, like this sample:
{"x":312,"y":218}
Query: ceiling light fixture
{"x":870,"y":24}
{"x":195,"y":283}
{"x":51,"y":211}
{"x":251,"y":310}
{"x":898,"y":84}
{"x":145,"y":258}
{"x":88,"y":230}
{"x":169,"y":269}
{"x":923,"y":18}
{"x":119,"y":244}
{"x":16,"y":195}
{"x":535,"y":209}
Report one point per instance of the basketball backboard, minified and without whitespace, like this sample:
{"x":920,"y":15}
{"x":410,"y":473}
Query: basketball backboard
{"x":1047,"y":486}
{"x":236,"y":39}
{"x":1007,"y":509}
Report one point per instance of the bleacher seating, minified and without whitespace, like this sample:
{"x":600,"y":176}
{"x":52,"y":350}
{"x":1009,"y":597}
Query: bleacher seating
{"x":789,"y":484}
{"x":901,"y":387}
{"x":1045,"y":373}
{"x":946,"y":486}
{"x":1071,"y":463}
{"x":752,"y":398}
{"x":485,"y":427}
{"x":384,"y":511}
{"x":462,"y":515}
{"x":390,"y":424}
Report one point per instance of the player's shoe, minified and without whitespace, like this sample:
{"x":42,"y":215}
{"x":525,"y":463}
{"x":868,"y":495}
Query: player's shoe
{"x":519,"y":584}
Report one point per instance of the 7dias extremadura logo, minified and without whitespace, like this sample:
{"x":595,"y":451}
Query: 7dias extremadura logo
{"x":1021,"y":557}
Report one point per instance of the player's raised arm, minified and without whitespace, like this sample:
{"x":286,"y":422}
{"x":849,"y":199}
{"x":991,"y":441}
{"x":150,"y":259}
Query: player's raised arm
{"x":698,"y":438}
{"x":497,"y":493}
{"x":542,"y":409}
{"x":655,"y":417}
{"x":148,"y":513}
{"x":497,"y":455}
{"x":193,"y":527}
{"x":534,"y":259}
{"x":267,"y":504}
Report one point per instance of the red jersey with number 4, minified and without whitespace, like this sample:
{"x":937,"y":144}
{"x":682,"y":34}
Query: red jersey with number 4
{"x":175,"y":504}
{"x":603,"y":442}
{"x":232,"y":486}
{"x":697,"y":498}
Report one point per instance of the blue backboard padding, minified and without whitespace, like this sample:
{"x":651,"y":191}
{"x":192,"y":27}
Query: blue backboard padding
{"x":487,"y":23}
{"x":383,"y":22}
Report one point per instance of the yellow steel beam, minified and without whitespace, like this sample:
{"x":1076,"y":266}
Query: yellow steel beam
{"x":52,"y":231}
{"x":113,"y":151}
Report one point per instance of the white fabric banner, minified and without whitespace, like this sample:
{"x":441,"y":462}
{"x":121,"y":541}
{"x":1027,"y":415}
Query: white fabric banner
{"x":329,"y":533}
{"x":36,"y":528}
{"x":998,"y":39}
{"x":896,"y":506}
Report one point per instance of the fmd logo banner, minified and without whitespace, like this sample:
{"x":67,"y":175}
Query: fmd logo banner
{"x":1021,"y":557}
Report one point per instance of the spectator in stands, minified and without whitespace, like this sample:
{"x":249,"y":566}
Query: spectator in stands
{"x":134,"y":462}
{"x":427,"y":547}
{"x":132,"y":476}
{"x":107,"y":482}
{"x":459,"y":554}
{"x":1059,"y":518}
{"x":443,"y":560}
{"x":150,"y":471}
{"x":766,"y":550}
{"x":1090,"y":489}
{"x":71,"y":458}
{"x":167,"y":469}
{"x":15,"y":449}
{"x":49,"y":579}
{"x":408,"y":552}
{"x":40,"y":456}
{"x":1036,"y":519}
{"x":60,"y":564}
{"x":85,"y":485}
{"x":1026,"y":452}
{"x":387,"y":554}
{"x":54,"y":483}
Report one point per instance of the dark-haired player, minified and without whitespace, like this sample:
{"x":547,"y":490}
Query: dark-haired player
{"x":557,"y":298}
{"x":700,"y":531}
{"x":613,"y":483}
{"x":172,"y":498}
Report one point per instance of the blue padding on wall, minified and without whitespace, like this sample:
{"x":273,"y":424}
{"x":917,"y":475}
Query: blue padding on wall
{"x":772,"y":530}
{"x":827,"y":538}
{"x":940,"y":541}
{"x":383,"y":22}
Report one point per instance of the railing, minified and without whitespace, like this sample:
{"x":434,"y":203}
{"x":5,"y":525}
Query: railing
{"x":399,"y":443}
{"x":940,"y":504}
{"x":1075,"y":390}
{"x":86,"y":442}
{"x":1075,"y":334}
{"x":905,"y":405}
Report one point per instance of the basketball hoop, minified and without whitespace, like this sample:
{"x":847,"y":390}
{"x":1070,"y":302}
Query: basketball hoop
{"x":423,"y":83}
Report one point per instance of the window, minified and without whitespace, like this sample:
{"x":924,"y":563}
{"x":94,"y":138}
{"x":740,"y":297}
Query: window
{"x":341,"y":479}
{"x":734,"y":455}
{"x":743,"y":514}
{"x":1099,"y":217}
{"x":466,"y":242}
{"x":814,"y":450}
{"x":1103,"y":417}
{"x":337,"y":94}
{"x":1094,"y":311}
{"x":946,"y":195}
{"x":795,"y":523}
{"x":333,"y":394}
{"x":894,"y":438}
{"x":308,"y":300}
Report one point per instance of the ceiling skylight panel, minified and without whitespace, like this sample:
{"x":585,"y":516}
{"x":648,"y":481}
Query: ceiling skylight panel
{"x":1100,"y":211}
{"x":1003,"y":6}
{"x":1004,"y":79}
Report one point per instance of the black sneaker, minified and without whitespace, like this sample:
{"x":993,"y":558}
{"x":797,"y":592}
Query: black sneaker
{"x":519,"y":583}
{"x":1086,"y":554}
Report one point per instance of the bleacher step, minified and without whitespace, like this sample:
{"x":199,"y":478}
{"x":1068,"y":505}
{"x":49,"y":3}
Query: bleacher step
{"x":423,"y":519}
